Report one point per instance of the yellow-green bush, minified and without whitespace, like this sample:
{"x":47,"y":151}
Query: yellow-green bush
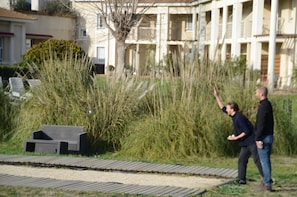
{"x":58,"y":48}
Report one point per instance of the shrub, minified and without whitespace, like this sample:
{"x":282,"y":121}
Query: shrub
{"x":21,"y":5}
{"x":57,"y":7}
{"x":60,"y":49}
{"x":7,"y":71}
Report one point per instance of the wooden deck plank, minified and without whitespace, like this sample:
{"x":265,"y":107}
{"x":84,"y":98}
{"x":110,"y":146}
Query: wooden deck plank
{"x":183,"y":192}
{"x":132,"y":166}
{"x":40,"y":182}
{"x":102,"y":164}
{"x":123,"y":188}
{"x":132,"y":189}
{"x":176,"y":191}
{"x":94,"y":186}
{"x":74,"y":161}
{"x":63,"y":161}
{"x":152,"y":167}
{"x":87,"y":162}
{"x":90,"y":187}
{"x":162,"y":190}
{"x":124,"y":165}
{"x":187,"y":169}
{"x":19,"y":158}
{"x":99,"y":164}
{"x":79,"y":185}
{"x":11,"y":180}
{"x":169,"y":190}
{"x":173,"y":169}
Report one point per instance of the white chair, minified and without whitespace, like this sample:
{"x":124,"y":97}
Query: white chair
{"x":17,"y":88}
{"x":33,"y":83}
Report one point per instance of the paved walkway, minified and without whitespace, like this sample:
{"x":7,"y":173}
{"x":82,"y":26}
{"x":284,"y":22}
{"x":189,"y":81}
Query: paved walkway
{"x":108,"y":165}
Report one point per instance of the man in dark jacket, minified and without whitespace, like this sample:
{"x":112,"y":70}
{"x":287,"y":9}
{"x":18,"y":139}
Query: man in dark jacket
{"x":264,"y":135}
{"x":244,"y":134}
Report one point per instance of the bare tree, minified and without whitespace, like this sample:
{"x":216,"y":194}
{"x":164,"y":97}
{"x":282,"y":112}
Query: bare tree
{"x":119,"y":17}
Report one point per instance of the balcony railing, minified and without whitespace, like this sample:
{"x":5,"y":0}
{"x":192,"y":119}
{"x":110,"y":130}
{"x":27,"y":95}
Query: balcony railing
{"x":142,"y":33}
{"x":227,"y":34}
{"x":245,"y":29}
{"x":279,"y":27}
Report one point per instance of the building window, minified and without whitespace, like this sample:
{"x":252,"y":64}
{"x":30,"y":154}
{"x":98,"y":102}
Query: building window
{"x":83,"y":33}
{"x":189,"y":23}
{"x":100,"y":65}
{"x":101,"y":55}
{"x":100,"y":21}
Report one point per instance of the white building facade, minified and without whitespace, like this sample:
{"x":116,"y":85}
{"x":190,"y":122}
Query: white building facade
{"x":264,"y":32}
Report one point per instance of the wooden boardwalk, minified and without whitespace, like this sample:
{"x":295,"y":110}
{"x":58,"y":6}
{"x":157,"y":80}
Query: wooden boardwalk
{"x":108,"y":165}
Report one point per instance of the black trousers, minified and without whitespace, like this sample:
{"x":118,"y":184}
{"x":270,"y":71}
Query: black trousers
{"x":244,"y":155}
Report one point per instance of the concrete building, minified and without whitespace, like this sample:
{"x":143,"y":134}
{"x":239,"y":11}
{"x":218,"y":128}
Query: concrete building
{"x":263,"y":32}
{"x":13,"y":35}
{"x":20,"y":31}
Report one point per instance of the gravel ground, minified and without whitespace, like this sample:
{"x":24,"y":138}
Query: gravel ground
{"x":119,"y":177}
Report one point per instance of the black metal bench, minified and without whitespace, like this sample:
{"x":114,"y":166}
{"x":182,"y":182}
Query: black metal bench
{"x":58,"y":139}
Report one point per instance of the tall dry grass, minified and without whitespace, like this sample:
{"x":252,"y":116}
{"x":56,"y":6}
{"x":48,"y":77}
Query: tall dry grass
{"x":70,"y":94}
{"x":184,"y":119}
{"x":166,"y":118}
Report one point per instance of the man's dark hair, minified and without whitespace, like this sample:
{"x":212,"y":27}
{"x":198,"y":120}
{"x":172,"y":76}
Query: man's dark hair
{"x":233,"y":105}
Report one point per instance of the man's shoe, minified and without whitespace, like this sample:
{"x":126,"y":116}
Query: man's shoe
{"x":265,"y":188}
{"x":240,"y":182}
{"x":268,"y":188}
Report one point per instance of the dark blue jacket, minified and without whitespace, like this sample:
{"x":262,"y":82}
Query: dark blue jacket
{"x":242,"y":124}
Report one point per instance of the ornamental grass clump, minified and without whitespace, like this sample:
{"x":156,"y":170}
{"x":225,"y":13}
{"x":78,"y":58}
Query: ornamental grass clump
{"x":183,"y":119}
{"x":70,"y":94}
{"x":60,"y":99}
{"x":172,"y":117}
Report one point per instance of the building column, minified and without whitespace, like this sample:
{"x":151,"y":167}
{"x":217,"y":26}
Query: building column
{"x":137,"y":54}
{"x":35,"y":5}
{"x":272,"y":44}
{"x":11,"y":45}
{"x":158,"y":35}
{"x":201,"y":32}
{"x":194,"y":32}
{"x":224,"y":32}
{"x":23,"y":44}
{"x":236,"y":30}
{"x":214,"y":31}
{"x":194,"y":23}
{"x":257,"y":25}
{"x":164,"y":33}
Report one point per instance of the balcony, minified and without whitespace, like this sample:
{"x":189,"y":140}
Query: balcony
{"x":227,"y":34}
{"x":279,"y":27}
{"x":245,"y":29}
{"x":179,"y":34}
{"x":142,"y":34}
